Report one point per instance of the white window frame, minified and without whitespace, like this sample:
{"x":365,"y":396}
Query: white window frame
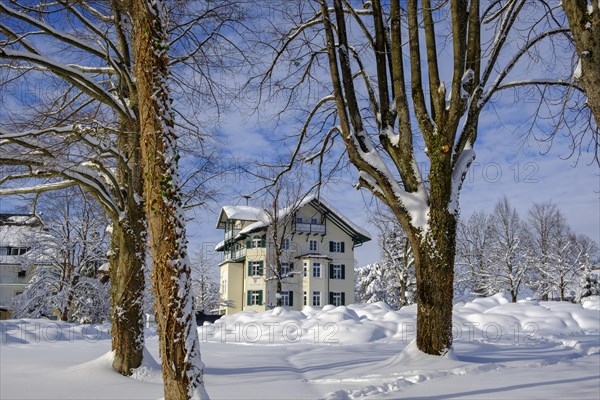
{"x":314,"y":248}
{"x":256,"y":242}
{"x":337,"y":271}
{"x":337,"y":298}
{"x":305,"y":269}
{"x":285,"y":298}
{"x":254,"y":298}
{"x":314,"y":221}
{"x":316,"y":270}
{"x":286,"y":244}
{"x":285,"y":268}
{"x":316,"y":298}
{"x":305,"y":298}
{"x":255,"y":265}
{"x":337,"y":246}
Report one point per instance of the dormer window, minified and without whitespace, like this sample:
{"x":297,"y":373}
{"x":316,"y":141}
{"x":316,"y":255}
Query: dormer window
{"x":299,"y":220}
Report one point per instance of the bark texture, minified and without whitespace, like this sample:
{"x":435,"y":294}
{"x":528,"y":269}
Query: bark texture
{"x":182,"y":367}
{"x":585,"y":27}
{"x":126,"y":291}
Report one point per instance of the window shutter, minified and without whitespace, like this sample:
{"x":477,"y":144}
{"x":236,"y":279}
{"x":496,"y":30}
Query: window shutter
{"x":260,"y":267}
{"x":249,"y":268}
{"x":331,"y":246}
{"x":249,"y":298}
{"x":291,"y":297}
{"x":248,"y":244}
{"x":343,"y":298}
{"x":263,"y":242}
{"x":291,"y":266}
{"x":260,"y":298}
{"x":330,"y":297}
{"x":342,"y":244}
{"x":343,"y":271}
{"x":330,"y":271}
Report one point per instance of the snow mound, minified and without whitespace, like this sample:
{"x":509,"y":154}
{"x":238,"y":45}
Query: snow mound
{"x":490,"y":319}
{"x":149,"y":371}
{"x":26,"y":331}
{"x":591,"y":303}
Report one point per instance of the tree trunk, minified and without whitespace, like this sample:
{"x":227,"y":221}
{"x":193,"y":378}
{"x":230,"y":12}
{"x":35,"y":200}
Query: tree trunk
{"x":126,"y":292}
{"x":66,"y":312}
{"x":182,"y":368}
{"x":434,"y":263}
{"x":585,"y":27}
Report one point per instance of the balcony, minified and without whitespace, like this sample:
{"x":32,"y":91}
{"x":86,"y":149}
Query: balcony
{"x":234,"y":255}
{"x":231,"y":234}
{"x":317,"y":229}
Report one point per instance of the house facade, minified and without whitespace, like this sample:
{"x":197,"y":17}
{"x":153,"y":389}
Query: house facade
{"x":17,"y":232}
{"x":308,"y":247}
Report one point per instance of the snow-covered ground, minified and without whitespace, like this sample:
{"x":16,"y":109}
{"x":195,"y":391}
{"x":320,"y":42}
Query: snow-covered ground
{"x":527,"y":350}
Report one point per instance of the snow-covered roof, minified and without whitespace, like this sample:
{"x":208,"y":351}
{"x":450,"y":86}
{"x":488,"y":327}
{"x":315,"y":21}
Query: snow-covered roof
{"x":243,"y":213}
{"x":263,"y":218}
{"x":19,"y":230}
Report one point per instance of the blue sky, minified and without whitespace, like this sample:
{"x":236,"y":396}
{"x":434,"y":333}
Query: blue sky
{"x":505,"y":165}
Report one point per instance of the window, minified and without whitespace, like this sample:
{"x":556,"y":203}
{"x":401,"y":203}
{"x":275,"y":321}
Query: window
{"x":305,"y":300}
{"x":255,"y":297}
{"x":305,"y":269}
{"x":22,"y":273}
{"x":316,"y":299}
{"x":299,"y":220}
{"x":286,"y":244}
{"x":287,"y":298}
{"x":13,"y":251}
{"x":314,"y":221}
{"x":336,"y":247}
{"x":258,"y":241}
{"x":255,"y":268}
{"x":337,"y":298}
{"x":312,"y":245}
{"x":316,"y":270}
{"x":286,"y":268}
{"x":337,"y":271}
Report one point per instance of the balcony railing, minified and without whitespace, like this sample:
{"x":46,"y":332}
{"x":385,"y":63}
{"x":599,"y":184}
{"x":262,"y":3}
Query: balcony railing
{"x":233,"y":255}
{"x":231,"y":234}
{"x":310,"y":228}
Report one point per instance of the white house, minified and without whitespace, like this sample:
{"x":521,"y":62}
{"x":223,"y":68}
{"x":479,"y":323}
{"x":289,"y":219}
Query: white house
{"x":315,"y":244}
{"x":17,"y":233}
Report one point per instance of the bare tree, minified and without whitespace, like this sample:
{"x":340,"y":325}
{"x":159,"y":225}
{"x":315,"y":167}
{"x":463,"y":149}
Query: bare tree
{"x":66,"y":258}
{"x":385,"y":95}
{"x":397,"y":260}
{"x":509,"y":251}
{"x":84,"y":134}
{"x":473,"y":246}
{"x":206,"y":291}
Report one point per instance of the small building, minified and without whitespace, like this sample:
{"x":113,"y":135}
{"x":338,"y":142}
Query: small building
{"x":307,"y":246}
{"x":17,"y":234}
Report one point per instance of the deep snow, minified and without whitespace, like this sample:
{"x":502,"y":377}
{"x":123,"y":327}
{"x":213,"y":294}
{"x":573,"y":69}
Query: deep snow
{"x":502,"y":350}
